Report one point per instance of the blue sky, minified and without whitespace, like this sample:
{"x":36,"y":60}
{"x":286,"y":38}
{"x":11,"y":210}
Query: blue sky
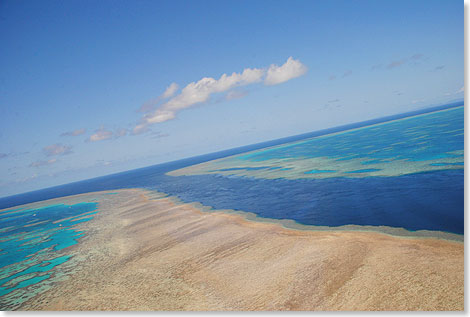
{"x":89,"y":88}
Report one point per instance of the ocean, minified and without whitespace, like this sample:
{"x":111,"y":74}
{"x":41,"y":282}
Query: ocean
{"x":404,"y":171}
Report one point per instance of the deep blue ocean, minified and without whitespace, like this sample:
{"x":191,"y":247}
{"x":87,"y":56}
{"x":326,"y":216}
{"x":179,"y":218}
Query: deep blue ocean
{"x":432,"y":200}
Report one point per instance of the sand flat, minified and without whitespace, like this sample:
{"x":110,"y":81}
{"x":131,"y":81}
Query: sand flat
{"x":143,"y":254}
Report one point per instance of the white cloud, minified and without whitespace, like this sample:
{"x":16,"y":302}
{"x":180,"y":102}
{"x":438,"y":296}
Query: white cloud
{"x":278,"y":74}
{"x":235,"y":94}
{"x":103,"y":134}
{"x":200,"y":91}
{"x":170,"y":91}
{"x":57,"y":149}
{"x":150,"y":105}
{"x":100,"y":134}
{"x":460,"y":90}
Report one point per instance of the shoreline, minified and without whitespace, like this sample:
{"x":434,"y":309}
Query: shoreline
{"x":158,"y":253}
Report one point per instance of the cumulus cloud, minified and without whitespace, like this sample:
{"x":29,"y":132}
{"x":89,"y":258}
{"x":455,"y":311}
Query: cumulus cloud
{"x":200,"y":91}
{"x":74,"y":132}
{"x":43,"y":163}
{"x":57,"y":149}
{"x":278,"y":74}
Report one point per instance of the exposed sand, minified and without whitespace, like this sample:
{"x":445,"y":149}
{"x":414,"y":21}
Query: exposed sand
{"x":142,"y":254}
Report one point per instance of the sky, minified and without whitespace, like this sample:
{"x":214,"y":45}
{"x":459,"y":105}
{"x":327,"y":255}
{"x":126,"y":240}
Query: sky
{"x":90,"y":88}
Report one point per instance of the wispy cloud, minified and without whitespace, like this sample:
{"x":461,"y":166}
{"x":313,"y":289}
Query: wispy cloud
{"x":200,"y":91}
{"x":461,"y":90}
{"x":150,"y":105}
{"x":120,"y":132}
{"x":417,"y":101}
{"x":394,"y":64}
{"x":376,"y":66}
{"x":235,"y":94}
{"x":332,"y":77}
{"x":103,"y":134}
{"x":347,"y":73}
{"x":26,"y":179}
{"x":100,"y":135}
{"x":158,"y":135}
{"x":74,"y":132}
{"x":12,"y":154}
{"x":170,"y":91}
{"x":57,"y":149}
{"x":43,"y":163}
{"x":417,"y":56}
{"x":413,"y":59}
{"x":440,"y":67}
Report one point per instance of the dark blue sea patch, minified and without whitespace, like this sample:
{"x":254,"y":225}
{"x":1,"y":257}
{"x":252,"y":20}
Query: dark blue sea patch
{"x":422,"y":201}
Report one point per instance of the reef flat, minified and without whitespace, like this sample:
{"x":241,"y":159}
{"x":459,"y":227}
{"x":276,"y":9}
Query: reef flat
{"x":146,"y":251}
{"x":423,"y":143}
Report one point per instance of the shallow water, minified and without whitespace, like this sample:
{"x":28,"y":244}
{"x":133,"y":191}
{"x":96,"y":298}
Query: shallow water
{"x":31,"y":241}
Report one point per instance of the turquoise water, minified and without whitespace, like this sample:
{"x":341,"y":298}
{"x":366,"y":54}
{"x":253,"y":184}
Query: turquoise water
{"x":320,"y":171}
{"x":32,"y":242}
{"x":427,"y":142}
{"x":426,"y":137}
